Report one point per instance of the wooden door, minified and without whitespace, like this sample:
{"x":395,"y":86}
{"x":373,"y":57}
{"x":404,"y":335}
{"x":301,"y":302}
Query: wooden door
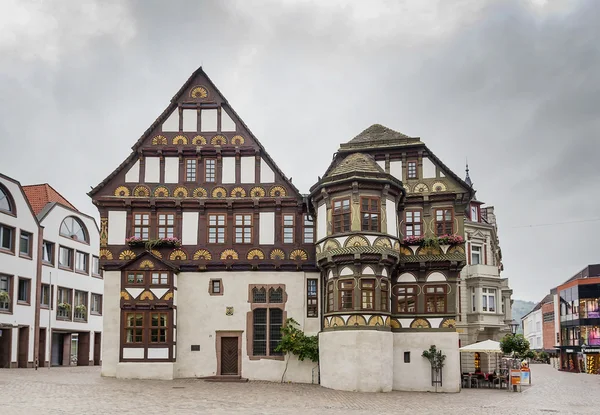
{"x":97,"y":345}
{"x":5,"y":347}
{"x":23,"y":347}
{"x":42,"y":348}
{"x":229,"y":356}
{"x":83,"y":349}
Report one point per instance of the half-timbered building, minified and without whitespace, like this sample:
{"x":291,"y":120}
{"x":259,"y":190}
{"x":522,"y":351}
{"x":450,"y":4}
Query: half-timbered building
{"x":207,"y":248}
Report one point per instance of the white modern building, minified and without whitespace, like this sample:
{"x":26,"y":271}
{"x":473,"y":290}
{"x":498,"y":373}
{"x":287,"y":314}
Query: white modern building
{"x":50,"y":283}
{"x":532,"y":323}
{"x":19,"y":230}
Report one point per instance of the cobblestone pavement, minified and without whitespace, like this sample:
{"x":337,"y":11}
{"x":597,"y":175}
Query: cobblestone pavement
{"x":81,"y":390}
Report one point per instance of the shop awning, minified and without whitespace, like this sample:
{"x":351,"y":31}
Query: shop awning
{"x":486,"y":346}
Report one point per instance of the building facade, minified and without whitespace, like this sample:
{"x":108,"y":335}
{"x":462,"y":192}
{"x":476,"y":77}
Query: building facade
{"x":579,"y":317}
{"x":207,"y":248}
{"x":19,"y":248}
{"x":532,"y":327}
{"x":52,"y":301}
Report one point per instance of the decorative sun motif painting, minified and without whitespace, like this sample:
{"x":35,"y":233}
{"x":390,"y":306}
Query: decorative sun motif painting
{"x":199,"y":92}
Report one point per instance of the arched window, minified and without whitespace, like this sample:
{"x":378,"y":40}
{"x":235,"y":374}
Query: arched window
{"x":5,"y":203}
{"x":72,"y":228}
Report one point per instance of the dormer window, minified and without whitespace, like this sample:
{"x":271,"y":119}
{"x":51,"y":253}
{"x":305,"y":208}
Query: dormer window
{"x":369,"y":213}
{"x":341,"y":215}
{"x":5,"y":204}
{"x":474,"y":215}
{"x":72,"y":228}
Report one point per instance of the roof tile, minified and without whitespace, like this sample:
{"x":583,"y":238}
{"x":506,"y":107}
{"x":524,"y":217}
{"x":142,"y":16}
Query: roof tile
{"x":39,"y":195}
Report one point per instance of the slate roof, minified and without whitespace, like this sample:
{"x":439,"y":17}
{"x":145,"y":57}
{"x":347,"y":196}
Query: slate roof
{"x":39,"y":195}
{"x":378,"y":135}
{"x":354,"y":163}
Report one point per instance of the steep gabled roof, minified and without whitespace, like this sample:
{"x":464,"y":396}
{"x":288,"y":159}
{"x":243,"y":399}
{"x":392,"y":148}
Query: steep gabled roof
{"x":39,"y":195}
{"x":378,"y":135}
{"x":165,"y":114}
{"x":23,"y":194}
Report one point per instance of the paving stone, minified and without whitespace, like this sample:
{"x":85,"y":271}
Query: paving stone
{"x":80,"y":390}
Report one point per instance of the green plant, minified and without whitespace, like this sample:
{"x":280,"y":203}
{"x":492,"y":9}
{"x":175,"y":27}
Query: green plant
{"x":436,"y":359}
{"x":4,"y":297}
{"x":543,"y":356}
{"x":431,"y":242}
{"x":65,"y":306}
{"x":516,"y":345}
{"x":294,"y":341}
{"x":81,"y":308}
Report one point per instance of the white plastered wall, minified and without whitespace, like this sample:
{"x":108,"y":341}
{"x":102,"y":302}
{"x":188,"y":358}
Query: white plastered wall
{"x":416,"y":375}
{"x":190,"y":120}
{"x":227,"y":124}
{"x":248,"y":170}
{"x":171,"y":124}
{"x":228,"y":170}
{"x":133,"y":174}
{"x":392,"y":219}
{"x":190,"y":228}
{"x":266,"y":173}
{"x":200,"y":316}
{"x":171,"y":169}
{"x":356,"y":360}
{"x":208,"y":120}
{"x":396,"y":169}
{"x":152,"y":174}
{"x":321,"y":221}
{"x":117,"y":227}
{"x":428,"y":169}
{"x":111,"y":323}
{"x":266,"y":228}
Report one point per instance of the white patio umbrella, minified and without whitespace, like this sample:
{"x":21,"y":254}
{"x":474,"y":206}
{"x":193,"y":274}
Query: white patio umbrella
{"x":486,"y":346}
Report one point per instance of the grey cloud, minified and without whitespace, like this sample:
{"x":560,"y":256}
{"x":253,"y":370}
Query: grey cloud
{"x":509,"y":86}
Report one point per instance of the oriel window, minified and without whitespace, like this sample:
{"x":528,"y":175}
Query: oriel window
{"x":158,"y":327}
{"x":346,"y":295}
{"x":407,"y":299}
{"x":134,"y":323}
{"x":413,"y":223}
{"x":435,"y":299}
{"x":312,"y":309}
{"x":367,"y":292}
{"x":384,"y":296}
{"x":341,"y":215}
{"x":369,"y":213}
{"x":443,"y":222}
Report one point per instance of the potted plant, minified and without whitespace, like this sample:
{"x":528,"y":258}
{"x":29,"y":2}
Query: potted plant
{"x":436,"y":359}
{"x":4,"y":297}
{"x":81,"y":308}
{"x":65,"y":306}
{"x":134,"y":241}
{"x":413,"y":242}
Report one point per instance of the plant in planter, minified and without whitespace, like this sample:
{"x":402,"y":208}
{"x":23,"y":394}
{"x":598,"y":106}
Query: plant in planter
{"x":450,"y":239}
{"x":153,"y":243}
{"x":81,"y":308}
{"x":65,"y":306}
{"x":4,"y":297}
{"x":413,"y":240}
{"x":294,"y":341}
{"x":134,"y":241}
{"x":436,"y":359}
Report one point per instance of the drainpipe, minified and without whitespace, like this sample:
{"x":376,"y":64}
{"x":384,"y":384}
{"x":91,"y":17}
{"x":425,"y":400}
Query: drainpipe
{"x":38,"y":296}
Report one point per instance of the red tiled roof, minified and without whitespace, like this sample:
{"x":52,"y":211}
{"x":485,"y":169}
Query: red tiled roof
{"x":39,"y":195}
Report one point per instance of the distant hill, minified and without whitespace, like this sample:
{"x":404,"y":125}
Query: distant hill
{"x":519,"y":309}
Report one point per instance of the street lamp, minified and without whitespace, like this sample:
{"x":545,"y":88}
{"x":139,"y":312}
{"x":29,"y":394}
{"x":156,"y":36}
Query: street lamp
{"x":513,"y":327}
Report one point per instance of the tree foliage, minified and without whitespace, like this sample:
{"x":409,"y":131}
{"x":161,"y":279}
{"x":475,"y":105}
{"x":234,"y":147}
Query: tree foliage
{"x":435,"y":357}
{"x":516,"y":345}
{"x":294,"y":341}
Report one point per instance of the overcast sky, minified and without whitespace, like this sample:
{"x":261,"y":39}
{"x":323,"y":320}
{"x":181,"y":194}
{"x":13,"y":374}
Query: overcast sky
{"x":513,"y":86}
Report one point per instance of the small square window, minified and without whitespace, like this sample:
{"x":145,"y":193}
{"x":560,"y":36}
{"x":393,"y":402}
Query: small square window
{"x":406,"y":357}
{"x":216,"y":287}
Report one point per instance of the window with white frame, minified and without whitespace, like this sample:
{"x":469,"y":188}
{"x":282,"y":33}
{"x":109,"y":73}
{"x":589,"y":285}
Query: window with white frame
{"x":473,"y":300}
{"x":475,"y":254}
{"x":81,"y":261}
{"x":489,"y":300}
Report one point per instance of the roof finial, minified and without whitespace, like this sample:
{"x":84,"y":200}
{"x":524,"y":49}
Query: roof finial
{"x":468,"y":179}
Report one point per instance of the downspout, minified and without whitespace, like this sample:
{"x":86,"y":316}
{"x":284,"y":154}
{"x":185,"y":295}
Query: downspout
{"x":38,"y":296}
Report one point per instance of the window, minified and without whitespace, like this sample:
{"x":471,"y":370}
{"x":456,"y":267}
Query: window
{"x":407,"y":299}
{"x":134,"y":331}
{"x":243,"y":229}
{"x":65,"y":257}
{"x":443,"y":222}
{"x":384,"y":295}
{"x":406,"y":357}
{"x":288,"y":229}
{"x":73,"y":228}
{"x":435,"y":299}
{"x":367,"y":293}
{"x":210,"y":170}
{"x":96,"y":304}
{"x":135,"y":278}
{"x":141,"y":225}
{"x":5,"y":286}
{"x":341,"y":215}
{"x":216,"y":229}
{"x":346,"y":295}
{"x":6,"y":238}
{"x":95,"y":265}
{"x":160,"y":278}
{"x":25,"y":244}
{"x":24,"y":291}
{"x":46,"y":296}
{"x":312,"y":309}
{"x":330,"y":297}
{"x":369,"y":213}
{"x":489,"y":300}
{"x":267,"y":320}
{"x":166,"y":225}
{"x":5,"y":204}
{"x":413,"y":223}
{"x":158,"y":327}
{"x":81,"y":261}
{"x":474,"y":308}
{"x":474,"y":215}
{"x":80,"y":309}
{"x":412,"y":170}
{"x":63,"y":299}
{"x":190,"y":170}
{"x":309,"y":230}
{"x":48,"y":252}
{"x":215,"y":287}
{"x":475,"y":255}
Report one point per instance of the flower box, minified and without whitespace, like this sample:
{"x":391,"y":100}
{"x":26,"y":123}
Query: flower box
{"x":153,"y":243}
